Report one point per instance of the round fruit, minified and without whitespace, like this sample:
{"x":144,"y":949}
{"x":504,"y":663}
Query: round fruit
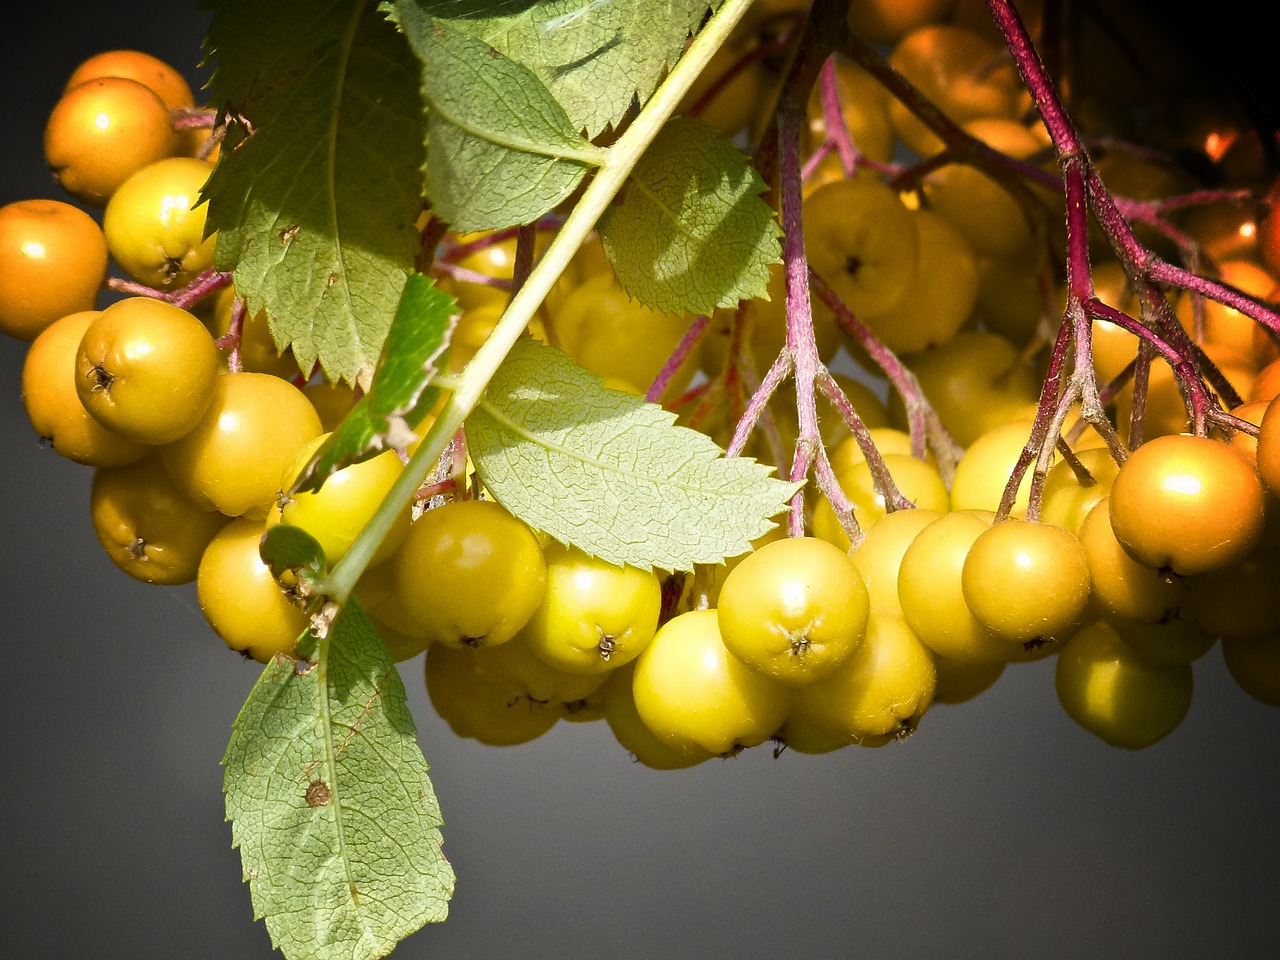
{"x":630,"y":731}
{"x":876,"y":695}
{"x":1169,"y":642}
{"x":861,"y":240}
{"x":475,"y":326}
{"x":53,"y":261}
{"x":1188,"y":504}
{"x":975,"y":381}
{"x":254,"y":428}
{"x":960,"y":71}
{"x":793,"y":609}
{"x":146,"y":369}
{"x":240,"y":598}
{"x":1224,"y":331}
{"x":1251,"y":411}
{"x":594,"y":615}
{"x":1238,"y":601}
{"x":931,"y":594}
{"x":979,"y":206}
{"x":514,"y":663}
{"x":917,"y":480}
{"x":1165,"y":412}
{"x":960,"y":680}
{"x":149,"y":530}
{"x":865,"y":106}
{"x":702,"y":587}
{"x":1122,"y":587}
{"x":879,"y":556}
{"x":103,"y":131}
{"x":1026,"y":581}
{"x":767,"y":320}
{"x":155,"y":223}
{"x":1117,"y":694}
{"x":888,"y":440}
{"x":697,"y":698}
{"x":941,"y":298}
{"x":376,"y":592}
{"x":1255,"y":667}
{"x":470,"y":573}
{"x":887,"y":21}
{"x":53,"y":406}
{"x":332,"y":401}
{"x":161,"y":77}
{"x":478,"y":705}
{"x":616,"y":336}
{"x":1010,"y":298}
{"x":346,"y":501}
{"x":497,"y":260}
{"x":1066,"y":501}
{"x":983,"y":470}
{"x":1268,"y":448}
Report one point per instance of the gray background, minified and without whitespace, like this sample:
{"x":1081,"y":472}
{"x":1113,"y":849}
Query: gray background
{"x":999,"y":830}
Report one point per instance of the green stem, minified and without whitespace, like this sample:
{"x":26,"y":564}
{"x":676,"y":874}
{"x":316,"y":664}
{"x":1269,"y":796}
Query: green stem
{"x":617,"y":164}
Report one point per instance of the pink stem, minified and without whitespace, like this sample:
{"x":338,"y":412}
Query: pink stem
{"x":837,"y":131}
{"x":691,"y":338}
{"x":186,"y":297}
{"x":231,"y":340}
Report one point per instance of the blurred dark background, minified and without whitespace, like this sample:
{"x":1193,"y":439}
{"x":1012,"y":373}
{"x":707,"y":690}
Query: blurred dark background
{"x":1001,"y":830}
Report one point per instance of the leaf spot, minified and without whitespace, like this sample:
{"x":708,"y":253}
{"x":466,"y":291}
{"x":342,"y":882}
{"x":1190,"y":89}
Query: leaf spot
{"x":318,"y":794}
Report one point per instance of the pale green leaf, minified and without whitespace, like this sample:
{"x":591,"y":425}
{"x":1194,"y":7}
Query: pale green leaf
{"x":595,"y":56}
{"x":610,"y":474}
{"x":315,"y":209}
{"x":501,"y":150}
{"x":401,"y":393}
{"x":691,"y":231}
{"x":330,"y":803}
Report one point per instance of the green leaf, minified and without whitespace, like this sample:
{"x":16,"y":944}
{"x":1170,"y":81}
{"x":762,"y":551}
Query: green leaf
{"x":289,"y":549}
{"x":330,"y":803}
{"x":502,"y":151}
{"x":691,"y":233}
{"x":315,"y":209}
{"x":413,"y":354}
{"x":401,"y":393}
{"x":610,"y":474}
{"x":595,"y":56}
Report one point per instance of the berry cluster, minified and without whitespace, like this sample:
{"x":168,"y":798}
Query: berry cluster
{"x":925,"y":555}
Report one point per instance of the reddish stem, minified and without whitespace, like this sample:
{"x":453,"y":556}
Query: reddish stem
{"x":691,"y":338}
{"x":777,"y":375}
{"x":230,"y":341}
{"x":186,"y":297}
{"x":834,"y":125}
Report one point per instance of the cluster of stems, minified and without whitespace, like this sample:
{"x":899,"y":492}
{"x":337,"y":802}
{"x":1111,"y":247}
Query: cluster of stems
{"x":1070,"y":380}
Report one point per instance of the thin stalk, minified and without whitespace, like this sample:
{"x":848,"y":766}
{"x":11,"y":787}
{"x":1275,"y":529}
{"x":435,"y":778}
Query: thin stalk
{"x":691,"y":338}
